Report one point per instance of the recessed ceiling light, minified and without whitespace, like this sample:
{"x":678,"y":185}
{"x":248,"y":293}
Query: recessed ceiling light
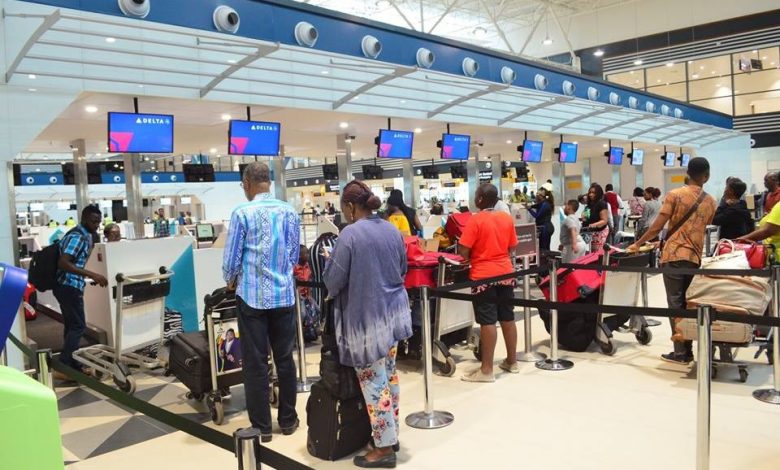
{"x":110,"y":40}
{"x":343,"y":125}
{"x":670,"y":64}
{"x":479,"y":32}
{"x":232,"y":61}
{"x":656,"y":150}
{"x":763,"y":58}
{"x":32,"y":76}
{"x":417,"y":130}
{"x":690,"y":62}
{"x":638,"y":62}
{"x":658,"y":81}
{"x":547,"y":41}
{"x":91,"y":109}
{"x":701,"y":67}
{"x":575,"y":142}
{"x":213,"y":150}
{"x":140,"y":86}
{"x":631,"y":72}
{"x":324,"y":72}
{"x":98,"y":154}
{"x":403,"y":101}
{"x":37,"y":169}
{"x":32,"y":90}
{"x":226,"y":117}
{"x":712,"y":72}
{"x":382,"y":3}
{"x":598,"y":52}
{"x":508,"y":142}
{"x":755,"y":51}
{"x":695,"y":75}
{"x":604,"y":145}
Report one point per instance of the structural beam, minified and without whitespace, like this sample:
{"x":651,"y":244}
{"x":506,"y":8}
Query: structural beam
{"x":47,"y":23}
{"x":397,"y":73}
{"x":653,"y":129}
{"x":582,"y":118}
{"x":536,"y":107}
{"x":403,"y":15}
{"x":261,"y":51}
{"x":499,"y":30}
{"x":675,"y":134}
{"x":705,"y":136}
{"x":623,"y":123}
{"x":443,"y":15}
{"x":531,"y":34}
{"x":463,"y":99}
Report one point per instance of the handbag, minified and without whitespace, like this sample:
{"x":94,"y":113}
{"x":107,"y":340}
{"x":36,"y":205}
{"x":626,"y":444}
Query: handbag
{"x":756,"y":253}
{"x":340,"y":380}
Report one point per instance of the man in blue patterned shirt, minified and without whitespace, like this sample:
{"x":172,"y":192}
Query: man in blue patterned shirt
{"x":261,"y":250}
{"x":75,"y":247}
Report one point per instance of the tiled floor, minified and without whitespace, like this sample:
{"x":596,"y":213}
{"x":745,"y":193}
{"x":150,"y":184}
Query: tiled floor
{"x":628,"y":411}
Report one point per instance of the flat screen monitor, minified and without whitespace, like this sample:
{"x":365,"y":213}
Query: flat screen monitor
{"x":395,"y":144}
{"x":140,"y":133}
{"x":430,"y":173}
{"x":532,"y":151}
{"x":616,"y":155}
{"x":455,"y":146}
{"x":568,"y":153}
{"x":254,"y":138}
{"x":669,"y":158}
{"x":637,"y":157}
{"x":371,"y":172}
{"x":204,"y":232}
{"x":330,"y":171}
{"x":685,"y":159}
{"x":459,"y":172}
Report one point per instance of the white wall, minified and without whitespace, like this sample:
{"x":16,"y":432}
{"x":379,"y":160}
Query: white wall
{"x":727,"y":158}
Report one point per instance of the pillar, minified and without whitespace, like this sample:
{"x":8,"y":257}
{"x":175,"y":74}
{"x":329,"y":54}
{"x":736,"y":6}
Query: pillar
{"x":616,"y":177}
{"x":135,"y":206}
{"x":640,"y":176}
{"x":280,"y":186}
{"x":80,"y":174}
{"x":407,"y":167}
{"x":472,"y":170}
{"x":586,"y":174}
{"x":344,"y":159}
{"x":559,"y":181}
{"x":496,"y":168}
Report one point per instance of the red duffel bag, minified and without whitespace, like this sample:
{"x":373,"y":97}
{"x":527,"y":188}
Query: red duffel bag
{"x":756,"y":253}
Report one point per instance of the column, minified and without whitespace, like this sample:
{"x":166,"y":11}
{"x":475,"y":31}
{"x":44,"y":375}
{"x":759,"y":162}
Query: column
{"x":496,"y":168}
{"x":559,"y":182}
{"x":472,"y":170}
{"x":80,"y":174}
{"x":407,"y":168}
{"x":135,"y":206}
{"x":616,"y":178}
{"x":344,"y":159}
{"x":586,"y":174}
{"x":640,"y":176}
{"x":280,"y":185}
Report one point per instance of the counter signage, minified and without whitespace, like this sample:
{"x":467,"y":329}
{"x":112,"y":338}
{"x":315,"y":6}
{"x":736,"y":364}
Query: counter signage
{"x":254,"y":138}
{"x":395,"y":144}
{"x":140,"y":133}
{"x":455,"y":146}
{"x":526,"y":240}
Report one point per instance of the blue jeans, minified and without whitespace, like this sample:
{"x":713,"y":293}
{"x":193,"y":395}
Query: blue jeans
{"x":71,"y":302}
{"x":258,"y":329}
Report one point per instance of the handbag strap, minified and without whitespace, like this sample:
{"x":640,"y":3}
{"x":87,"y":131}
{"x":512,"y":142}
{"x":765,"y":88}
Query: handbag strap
{"x":687,"y":215}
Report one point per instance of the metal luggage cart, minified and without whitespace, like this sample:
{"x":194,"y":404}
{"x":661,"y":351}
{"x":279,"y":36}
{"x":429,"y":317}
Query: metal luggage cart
{"x":620,"y":288}
{"x":221,"y":315}
{"x":137,"y":292}
{"x":452,"y":317}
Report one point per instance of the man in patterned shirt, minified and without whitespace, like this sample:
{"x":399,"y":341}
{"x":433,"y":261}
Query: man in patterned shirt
{"x":688,"y":210}
{"x":75,"y":247}
{"x":261,"y":250}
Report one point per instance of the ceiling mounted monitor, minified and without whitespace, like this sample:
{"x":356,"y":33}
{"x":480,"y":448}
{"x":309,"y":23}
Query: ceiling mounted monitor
{"x":372,"y":172}
{"x":140,"y":133}
{"x":330,"y":171}
{"x":669,"y":158}
{"x":254,"y":138}
{"x":637,"y":157}
{"x":455,"y":146}
{"x":685,"y":159}
{"x":394,"y":144}
{"x":567,"y":152}
{"x":616,"y":155}
{"x":532,"y":151}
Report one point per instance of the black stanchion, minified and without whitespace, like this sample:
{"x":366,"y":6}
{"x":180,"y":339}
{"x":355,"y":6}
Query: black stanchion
{"x":247,"y":442}
{"x":553,"y":362}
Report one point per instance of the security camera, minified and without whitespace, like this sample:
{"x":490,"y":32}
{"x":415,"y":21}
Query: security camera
{"x":678,"y":113}
{"x":568,"y":88}
{"x":614,"y":99}
{"x":30,"y":180}
{"x":508,"y":75}
{"x":226,"y":19}
{"x":752,"y":143}
{"x":633,"y":102}
{"x":117,"y":179}
{"x":425,"y":58}
{"x":135,"y":8}
{"x":306,"y":34}
{"x":650,"y":107}
{"x":155,"y":178}
{"x":371,"y":47}
{"x":540,"y":81}
{"x":666,"y":110}
{"x":470,"y":67}
{"x":593,"y":94}
{"x":52,"y":179}
{"x":480,"y":143}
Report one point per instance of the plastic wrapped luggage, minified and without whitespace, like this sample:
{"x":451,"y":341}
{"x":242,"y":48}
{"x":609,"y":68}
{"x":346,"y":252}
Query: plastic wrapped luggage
{"x":337,"y":428}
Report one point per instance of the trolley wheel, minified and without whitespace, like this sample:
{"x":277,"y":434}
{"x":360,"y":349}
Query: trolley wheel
{"x":769,"y":358}
{"x":128,"y":386}
{"x":714,"y":372}
{"x":644,"y":336}
{"x":743,"y":375}
{"x":608,"y":348}
{"x":275,"y":396}
{"x":478,"y":353}
{"x":217,"y":410}
{"x":447,"y":368}
{"x":167,"y":373}
{"x":194,"y":396}
{"x":98,"y":375}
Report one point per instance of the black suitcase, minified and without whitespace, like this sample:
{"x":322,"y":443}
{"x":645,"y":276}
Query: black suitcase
{"x":337,"y":428}
{"x":189,"y":361}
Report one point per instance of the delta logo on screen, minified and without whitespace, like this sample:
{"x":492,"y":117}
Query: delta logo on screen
{"x":254,"y":138}
{"x":395,"y":144}
{"x":140,"y":133}
{"x":455,"y":147}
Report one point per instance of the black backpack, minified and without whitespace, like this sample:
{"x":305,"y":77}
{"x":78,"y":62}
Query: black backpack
{"x":43,"y":267}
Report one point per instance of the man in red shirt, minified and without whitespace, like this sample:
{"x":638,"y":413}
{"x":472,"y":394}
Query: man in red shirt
{"x":488,"y":241}
{"x":772,"y":195}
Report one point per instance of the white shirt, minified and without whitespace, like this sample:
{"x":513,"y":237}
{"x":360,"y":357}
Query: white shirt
{"x":502,"y":206}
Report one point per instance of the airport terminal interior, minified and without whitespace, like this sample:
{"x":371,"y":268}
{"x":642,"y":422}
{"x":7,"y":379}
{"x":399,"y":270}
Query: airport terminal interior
{"x":131,"y":134}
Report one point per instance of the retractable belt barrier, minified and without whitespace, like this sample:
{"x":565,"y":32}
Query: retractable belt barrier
{"x":685,"y":271}
{"x":224,"y":441}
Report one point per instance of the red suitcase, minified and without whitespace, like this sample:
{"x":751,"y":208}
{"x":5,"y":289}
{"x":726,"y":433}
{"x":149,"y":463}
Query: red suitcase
{"x":576,"y":285}
{"x":456,"y":223}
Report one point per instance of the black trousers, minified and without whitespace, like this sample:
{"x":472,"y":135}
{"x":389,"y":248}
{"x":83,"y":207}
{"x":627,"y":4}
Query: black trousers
{"x":676,"y":286}
{"x":71,"y":302}
{"x":258,"y":329}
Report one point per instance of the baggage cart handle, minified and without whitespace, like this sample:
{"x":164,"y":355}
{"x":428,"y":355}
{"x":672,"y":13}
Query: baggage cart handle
{"x":138,"y":278}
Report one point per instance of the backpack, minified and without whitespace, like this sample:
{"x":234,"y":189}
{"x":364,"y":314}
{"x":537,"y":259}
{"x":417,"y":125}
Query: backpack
{"x":44,"y":267}
{"x":311,"y":319}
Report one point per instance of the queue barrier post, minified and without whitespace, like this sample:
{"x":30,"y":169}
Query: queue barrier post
{"x":554,"y":362}
{"x":528,"y":355}
{"x":247,"y":443}
{"x":704,"y":380}
{"x":772,"y":395}
{"x":428,"y":418}
{"x":304,"y":382}
{"x":44,"y":368}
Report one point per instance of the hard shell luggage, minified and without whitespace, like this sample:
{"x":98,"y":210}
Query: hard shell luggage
{"x":189,"y":361}
{"x":337,"y":428}
{"x":574,"y":285}
{"x":422,"y":270}
{"x":456,"y":223}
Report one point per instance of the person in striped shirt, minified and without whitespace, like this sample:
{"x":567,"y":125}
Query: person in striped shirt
{"x":261,"y":250}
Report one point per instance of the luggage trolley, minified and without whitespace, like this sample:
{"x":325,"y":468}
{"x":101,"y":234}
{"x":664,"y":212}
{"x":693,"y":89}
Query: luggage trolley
{"x":142,"y":293}
{"x":620,"y":288}
{"x":454,"y":319}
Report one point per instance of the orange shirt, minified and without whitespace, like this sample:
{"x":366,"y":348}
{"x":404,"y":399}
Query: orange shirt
{"x":490,"y":235}
{"x":687,"y":243}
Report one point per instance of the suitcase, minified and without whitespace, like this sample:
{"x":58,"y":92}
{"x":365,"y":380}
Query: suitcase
{"x":575,"y":285}
{"x":575,"y":330}
{"x":722,"y":332}
{"x":337,"y":428}
{"x":456,"y":223}
{"x":189,"y":361}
